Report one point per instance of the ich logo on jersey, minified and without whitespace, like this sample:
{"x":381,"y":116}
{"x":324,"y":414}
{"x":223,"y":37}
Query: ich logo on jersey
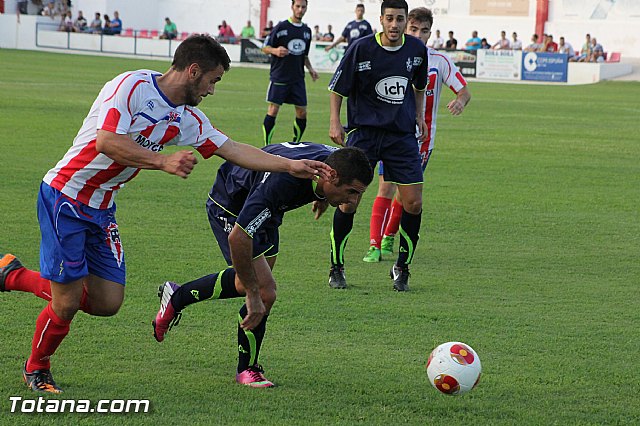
{"x":392,"y":89}
{"x":297,"y":46}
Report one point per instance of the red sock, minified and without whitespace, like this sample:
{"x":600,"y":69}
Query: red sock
{"x":394,"y":218}
{"x":29,"y":281}
{"x":50,"y":331}
{"x":379,"y":216}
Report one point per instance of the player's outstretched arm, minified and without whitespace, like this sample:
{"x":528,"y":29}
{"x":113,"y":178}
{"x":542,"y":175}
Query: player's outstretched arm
{"x":123,"y":150}
{"x":250,"y":157}
{"x":335,"y":43}
{"x":456,"y":106}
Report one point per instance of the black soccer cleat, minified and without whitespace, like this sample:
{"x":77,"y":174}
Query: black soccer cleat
{"x":8,"y":263}
{"x":337,"y":278}
{"x":40,"y":380}
{"x":400,"y":277}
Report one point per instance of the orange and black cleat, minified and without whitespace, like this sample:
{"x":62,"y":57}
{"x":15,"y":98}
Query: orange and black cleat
{"x":40,"y":381}
{"x":8,"y":263}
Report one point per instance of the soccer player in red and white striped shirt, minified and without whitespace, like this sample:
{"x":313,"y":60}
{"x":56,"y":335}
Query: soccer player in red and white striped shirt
{"x":137,"y":114}
{"x":387,"y":210}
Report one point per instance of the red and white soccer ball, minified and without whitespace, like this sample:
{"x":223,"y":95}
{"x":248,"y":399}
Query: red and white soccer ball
{"x":454,"y":368}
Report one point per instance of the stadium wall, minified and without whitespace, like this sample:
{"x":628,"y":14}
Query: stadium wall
{"x":613,"y":23}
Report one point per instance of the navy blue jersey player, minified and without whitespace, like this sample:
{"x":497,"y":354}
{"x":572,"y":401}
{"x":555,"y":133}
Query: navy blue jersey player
{"x":245,"y":210}
{"x":288,"y":44}
{"x":384,"y":77}
{"x":354,"y":30}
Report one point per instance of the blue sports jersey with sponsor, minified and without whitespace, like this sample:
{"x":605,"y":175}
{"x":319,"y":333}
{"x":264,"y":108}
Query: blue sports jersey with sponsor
{"x":355,"y":30}
{"x":297,"y":39}
{"x":378,"y":83}
{"x":261,"y":198}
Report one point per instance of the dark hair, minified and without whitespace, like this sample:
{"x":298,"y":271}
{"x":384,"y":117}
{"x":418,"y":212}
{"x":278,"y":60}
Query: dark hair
{"x":203,"y":50}
{"x":394,"y":4}
{"x":360,"y":5}
{"x":293,"y":2}
{"x":421,"y":14}
{"x":350,"y":163}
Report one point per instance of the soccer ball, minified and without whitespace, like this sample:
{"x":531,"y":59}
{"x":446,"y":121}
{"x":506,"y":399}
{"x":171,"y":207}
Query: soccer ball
{"x":454,"y":368}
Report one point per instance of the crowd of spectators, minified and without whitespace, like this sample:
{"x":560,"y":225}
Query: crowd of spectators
{"x":591,"y":50}
{"x":101,"y":24}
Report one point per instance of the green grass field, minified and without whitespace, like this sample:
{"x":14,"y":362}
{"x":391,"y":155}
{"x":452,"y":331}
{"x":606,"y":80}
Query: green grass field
{"x":530,"y":253}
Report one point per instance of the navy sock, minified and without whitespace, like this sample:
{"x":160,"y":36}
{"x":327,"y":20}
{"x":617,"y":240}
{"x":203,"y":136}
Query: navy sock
{"x":409,"y":236}
{"x":298,"y":128}
{"x":267,"y":128}
{"x":249,"y":341}
{"x":342,"y":226}
{"x":215,"y":286}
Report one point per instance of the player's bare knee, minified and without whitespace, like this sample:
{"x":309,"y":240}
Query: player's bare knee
{"x":413,"y":206}
{"x":65,"y":309}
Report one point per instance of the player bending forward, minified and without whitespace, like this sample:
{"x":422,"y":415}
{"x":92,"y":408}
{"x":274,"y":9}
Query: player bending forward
{"x":245,"y":210}
{"x":137,"y":114}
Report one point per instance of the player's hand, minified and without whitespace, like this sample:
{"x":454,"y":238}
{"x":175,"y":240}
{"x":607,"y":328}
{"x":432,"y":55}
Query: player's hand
{"x":328,"y":47}
{"x":255,"y":311}
{"x":314,"y":74}
{"x":179,"y":163}
{"x":455,"y":107}
{"x":422,"y":128}
{"x":336,"y":133}
{"x":310,"y":169}
{"x":281,"y":52}
{"x":319,"y":207}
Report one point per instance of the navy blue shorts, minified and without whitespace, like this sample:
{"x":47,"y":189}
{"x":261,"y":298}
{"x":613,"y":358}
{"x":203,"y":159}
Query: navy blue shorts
{"x":424,"y":155}
{"x":398,"y":151}
{"x":293,"y":93}
{"x":266,"y":241}
{"x":78,"y":240}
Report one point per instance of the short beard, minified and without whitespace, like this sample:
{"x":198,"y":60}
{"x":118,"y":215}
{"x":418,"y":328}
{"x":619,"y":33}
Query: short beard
{"x":191,"y":97}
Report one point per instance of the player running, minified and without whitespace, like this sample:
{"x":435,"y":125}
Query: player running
{"x":245,"y":210}
{"x":385,"y":215}
{"x":288,"y":44}
{"x":137,"y":114}
{"x":384,"y":77}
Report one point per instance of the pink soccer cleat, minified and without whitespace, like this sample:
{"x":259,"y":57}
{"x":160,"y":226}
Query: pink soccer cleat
{"x":254,"y":377}
{"x":167,"y":316}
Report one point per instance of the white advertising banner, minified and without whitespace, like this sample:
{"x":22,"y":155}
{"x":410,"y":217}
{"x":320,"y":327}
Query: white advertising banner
{"x":499,"y":64}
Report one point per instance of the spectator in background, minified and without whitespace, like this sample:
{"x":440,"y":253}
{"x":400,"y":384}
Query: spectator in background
{"x":226,"y":34}
{"x":549,"y":45}
{"x":96,"y":25}
{"x":106,"y":28}
{"x":452,"y":43}
{"x":566,"y":48}
{"x":23,"y":7}
{"x":516,"y":44}
{"x":597,"y":52}
{"x":116,"y":23}
{"x":437,"y":42}
{"x":534,"y":46}
{"x":354,"y":30}
{"x":267,"y":30}
{"x":80,"y":24}
{"x":484,"y":44}
{"x":503,"y":43}
{"x":585,"y":52}
{"x":66,"y":24}
{"x":328,"y":36}
{"x":317,"y":35}
{"x":170,"y":30}
{"x":248,"y":31}
{"x":474,"y":42}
